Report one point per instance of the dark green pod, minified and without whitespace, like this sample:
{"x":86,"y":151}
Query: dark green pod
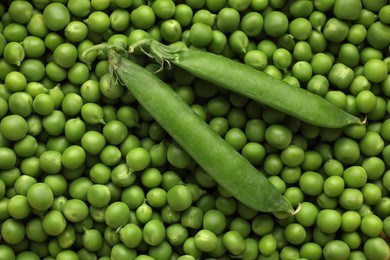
{"x":254,"y":84}
{"x":219,"y":159}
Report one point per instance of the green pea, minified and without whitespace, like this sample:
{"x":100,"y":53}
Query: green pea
{"x":53,"y":222}
{"x":20,"y":12}
{"x":351,"y":199}
{"x":317,"y":19}
{"x":98,"y":195}
{"x":56,"y":16}
{"x":65,"y":55}
{"x":153,"y":232}
{"x":92,"y":240}
{"x":340,"y":75}
{"x":282,"y":59}
{"x":55,"y":72}
{"x":311,"y":183}
{"x":317,"y":41}
{"x":214,"y":221}
{"x":336,"y":30}
{"x":15,"y":32}
{"x":333,"y":186}
{"x":348,"y":55}
{"x":228,"y":20}
{"x":34,"y":198}
{"x":346,"y":150}
{"x":176,"y":234}
{"x":75,"y":210}
{"x":18,"y":207}
{"x":307,"y":215}
{"x":375,"y":70}
{"x":318,"y":84}
{"x":371,"y":144}
{"x":310,"y":250}
{"x":76,"y":31}
{"x":189,"y":248}
{"x":355,"y":176}
{"x":377,"y":35}
{"x":36,"y":26}
{"x":241,"y":225}
{"x":145,"y":12}
{"x":294,"y":195}
{"x":13,"y":231}
{"x":233,"y":242}
{"x":351,"y":13}
{"x":73,"y":157}
{"x":200,"y":34}
{"x":192,"y":217}
{"x":157,"y":197}
{"x":273,"y":164}
{"x":275,"y":23}
{"x":371,"y":225}
{"x":376,"y":248}
{"x":177,"y":156}
{"x":115,"y":132}
{"x":218,"y":106}
{"x":205,"y":240}
{"x":301,"y":8}
{"x":34,"y":47}
{"x":253,"y":152}
{"x":336,"y":248}
{"x":357,"y":33}
{"x":291,"y":152}
{"x":236,"y":137}
{"x":14,"y":53}
{"x":300,"y":28}
{"x":294,"y":233}
{"x":328,"y":220}
{"x":120,"y":251}
{"x":252,"y":24}
{"x":350,"y":221}
{"x":278,"y":136}
{"x":138,"y":158}
{"x":92,"y":113}
{"x":302,"y":71}
{"x":98,"y":22}
{"x":290,"y":175}
{"x":179,"y":198}
{"x":267,"y":245}
{"x":78,"y":73}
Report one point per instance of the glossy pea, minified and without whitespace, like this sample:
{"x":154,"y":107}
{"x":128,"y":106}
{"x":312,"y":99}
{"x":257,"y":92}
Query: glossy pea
{"x":56,"y":16}
{"x":233,"y":242}
{"x":92,"y":113}
{"x":336,"y":30}
{"x":252,"y":24}
{"x":154,"y":232}
{"x":300,"y":28}
{"x":228,"y":19}
{"x":275,"y":19}
{"x":14,"y":53}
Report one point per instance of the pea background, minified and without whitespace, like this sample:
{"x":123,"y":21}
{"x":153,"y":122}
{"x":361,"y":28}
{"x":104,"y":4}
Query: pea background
{"x":109,"y":172}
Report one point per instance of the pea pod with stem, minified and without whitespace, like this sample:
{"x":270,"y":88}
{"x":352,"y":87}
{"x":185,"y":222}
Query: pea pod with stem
{"x":217,"y":157}
{"x":252,"y":83}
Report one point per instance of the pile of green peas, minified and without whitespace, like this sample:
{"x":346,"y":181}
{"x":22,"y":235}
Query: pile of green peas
{"x":86,"y":173}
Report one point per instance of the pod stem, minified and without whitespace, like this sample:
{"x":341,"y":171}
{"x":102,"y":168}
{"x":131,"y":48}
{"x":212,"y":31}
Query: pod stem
{"x":158,"y":51}
{"x":103,"y":48}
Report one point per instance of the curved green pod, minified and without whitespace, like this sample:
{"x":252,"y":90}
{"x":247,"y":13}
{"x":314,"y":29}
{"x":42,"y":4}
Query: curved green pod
{"x":252,"y":83}
{"x":217,"y":157}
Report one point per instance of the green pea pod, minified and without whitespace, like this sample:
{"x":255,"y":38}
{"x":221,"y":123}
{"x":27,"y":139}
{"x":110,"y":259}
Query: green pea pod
{"x":252,"y":83}
{"x":218,"y":158}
